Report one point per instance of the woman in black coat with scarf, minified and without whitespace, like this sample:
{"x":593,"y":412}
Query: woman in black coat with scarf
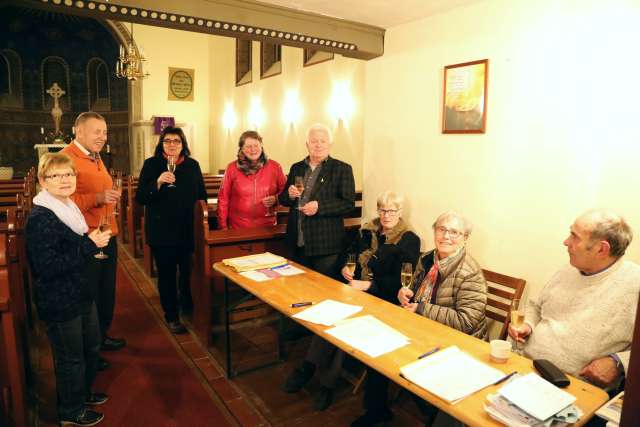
{"x":169,"y":199}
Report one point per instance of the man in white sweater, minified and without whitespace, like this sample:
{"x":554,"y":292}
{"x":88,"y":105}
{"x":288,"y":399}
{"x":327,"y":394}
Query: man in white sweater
{"x":583,"y":319}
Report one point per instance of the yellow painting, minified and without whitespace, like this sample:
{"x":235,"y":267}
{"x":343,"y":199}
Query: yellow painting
{"x":465,"y":97}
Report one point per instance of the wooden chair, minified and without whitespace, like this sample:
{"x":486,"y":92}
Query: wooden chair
{"x":501,"y":291}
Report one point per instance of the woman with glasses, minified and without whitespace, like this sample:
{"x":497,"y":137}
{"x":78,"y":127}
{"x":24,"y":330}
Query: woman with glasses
{"x":382,"y":246}
{"x":58,"y":248}
{"x":170,"y":183}
{"x":250,"y":187}
{"x":448,"y":287}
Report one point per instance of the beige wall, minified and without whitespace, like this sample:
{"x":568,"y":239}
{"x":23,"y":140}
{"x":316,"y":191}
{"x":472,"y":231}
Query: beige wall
{"x":284,"y":142}
{"x":166,"y":48}
{"x":562,"y":131}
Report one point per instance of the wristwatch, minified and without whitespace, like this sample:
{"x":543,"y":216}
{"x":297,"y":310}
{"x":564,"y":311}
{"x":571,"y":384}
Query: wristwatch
{"x":619,"y":365}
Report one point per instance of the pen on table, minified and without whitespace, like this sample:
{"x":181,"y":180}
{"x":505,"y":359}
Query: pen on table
{"x":506,"y":377}
{"x":301,"y":304}
{"x":428,"y":353}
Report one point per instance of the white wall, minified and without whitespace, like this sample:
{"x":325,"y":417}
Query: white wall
{"x":562,"y":129}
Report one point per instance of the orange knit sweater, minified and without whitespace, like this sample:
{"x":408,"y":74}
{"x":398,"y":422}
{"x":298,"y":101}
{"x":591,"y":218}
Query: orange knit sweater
{"x":92,"y":177}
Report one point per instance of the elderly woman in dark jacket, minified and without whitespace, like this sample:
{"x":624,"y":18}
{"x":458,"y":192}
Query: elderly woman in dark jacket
{"x":58,"y":248}
{"x":381,"y":247}
{"x":448,"y":287}
{"x":169,"y":199}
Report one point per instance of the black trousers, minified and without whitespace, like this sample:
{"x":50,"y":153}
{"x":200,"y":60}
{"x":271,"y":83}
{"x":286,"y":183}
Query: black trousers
{"x":328,"y":360}
{"x":324,"y":264}
{"x":101,"y":274}
{"x":75,"y":344}
{"x":169,"y":261}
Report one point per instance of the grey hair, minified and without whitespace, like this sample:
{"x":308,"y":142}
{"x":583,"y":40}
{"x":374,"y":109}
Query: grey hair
{"x":609,"y":226}
{"x":319,"y":127}
{"x":468,"y":227}
{"x":387,"y":198}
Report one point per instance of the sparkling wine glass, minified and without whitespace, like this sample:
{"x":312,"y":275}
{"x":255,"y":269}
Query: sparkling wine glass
{"x":105,"y":225}
{"x":117,"y":186}
{"x":171,"y":166}
{"x":271,"y":210}
{"x":516,"y":313}
{"x":299,"y":184}
{"x":351,"y":264}
{"x":406,"y":274}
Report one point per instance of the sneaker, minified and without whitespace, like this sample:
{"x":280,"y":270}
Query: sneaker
{"x":371,"y":418}
{"x":176,"y":327}
{"x":323,"y":399}
{"x":298,"y":378}
{"x":96,"y":399}
{"x":85,"y":418}
{"x":112,"y":344}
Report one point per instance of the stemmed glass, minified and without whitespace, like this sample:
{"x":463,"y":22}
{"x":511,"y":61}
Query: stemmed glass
{"x":351,"y":263}
{"x":406,"y":274}
{"x":105,"y":225}
{"x":117,"y":186}
{"x":171,"y":166}
{"x":271,"y":210}
{"x":299,"y":184}
{"x":516,"y":313}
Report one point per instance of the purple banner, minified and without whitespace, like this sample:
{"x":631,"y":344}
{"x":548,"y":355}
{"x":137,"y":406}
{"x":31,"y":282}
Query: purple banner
{"x":159,"y":123}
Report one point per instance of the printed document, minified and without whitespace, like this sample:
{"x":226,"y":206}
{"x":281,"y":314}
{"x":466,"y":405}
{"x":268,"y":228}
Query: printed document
{"x":327,"y":312}
{"x":369,"y":335}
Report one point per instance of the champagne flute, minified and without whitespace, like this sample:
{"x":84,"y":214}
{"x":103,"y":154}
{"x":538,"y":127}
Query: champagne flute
{"x":299,"y":184}
{"x":516,"y":313}
{"x":105,"y":225}
{"x":406,"y":274}
{"x":271,"y":210}
{"x":171,"y":166}
{"x":117,"y":186}
{"x":351,"y":264}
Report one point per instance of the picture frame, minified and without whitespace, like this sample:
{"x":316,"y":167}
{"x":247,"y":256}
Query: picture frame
{"x":464,"y":101}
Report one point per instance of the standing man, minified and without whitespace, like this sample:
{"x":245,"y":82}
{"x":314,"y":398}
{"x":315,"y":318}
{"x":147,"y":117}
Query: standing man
{"x":583,"y":319}
{"x":96,"y":199}
{"x":315,"y":229}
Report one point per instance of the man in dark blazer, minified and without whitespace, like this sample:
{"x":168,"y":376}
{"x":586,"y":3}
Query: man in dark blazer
{"x":315,"y":230}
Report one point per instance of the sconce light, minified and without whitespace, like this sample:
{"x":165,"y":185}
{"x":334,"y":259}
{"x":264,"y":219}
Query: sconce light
{"x":229,"y":119}
{"x":256,"y":116}
{"x":291,"y":109}
{"x":341,"y":104}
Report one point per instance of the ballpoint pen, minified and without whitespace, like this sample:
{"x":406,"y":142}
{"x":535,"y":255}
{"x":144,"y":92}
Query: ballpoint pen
{"x":506,"y":377}
{"x":428,"y":353}
{"x":301,"y":304}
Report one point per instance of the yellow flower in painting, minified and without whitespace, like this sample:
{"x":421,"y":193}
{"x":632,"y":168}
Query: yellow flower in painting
{"x":465,"y":87}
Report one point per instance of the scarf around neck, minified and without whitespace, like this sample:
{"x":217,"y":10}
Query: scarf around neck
{"x":67,"y":212}
{"x":392,"y":237}
{"x":247,"y":167}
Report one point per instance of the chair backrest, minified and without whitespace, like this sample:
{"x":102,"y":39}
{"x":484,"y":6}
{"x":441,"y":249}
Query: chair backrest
{"x":501,"y":291}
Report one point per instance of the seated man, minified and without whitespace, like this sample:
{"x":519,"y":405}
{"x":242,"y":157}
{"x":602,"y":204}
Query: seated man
{"x":583,"y":319}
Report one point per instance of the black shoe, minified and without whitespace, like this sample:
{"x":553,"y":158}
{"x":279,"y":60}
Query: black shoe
{"x":103,"y":364}
{"x":323,"y":399}
{"x":112,"y":344}
{"x":371,"y":418}
{"x":298,"y":378}
{"x":85,"y":418}
{"x":176,"y":327}
{"x":96,"y":399}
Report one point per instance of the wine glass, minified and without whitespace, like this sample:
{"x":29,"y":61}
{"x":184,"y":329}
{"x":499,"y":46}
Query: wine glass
{"x":171,"y":166}
{"x":351,"y":264}
{"x":516,"y":313}
{"x":117,"y":186}
{"x":299,"y":184}
{"x":406,"y":273}
{"x":271,"y":210}
{"x":105,"y":225}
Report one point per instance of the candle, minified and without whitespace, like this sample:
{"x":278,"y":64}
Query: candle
{"x":41,"y":131}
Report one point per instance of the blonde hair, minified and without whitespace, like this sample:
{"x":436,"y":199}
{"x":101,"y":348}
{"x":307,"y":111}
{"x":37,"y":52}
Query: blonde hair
{"x":50,"y":160}
{"x":387,"y":198}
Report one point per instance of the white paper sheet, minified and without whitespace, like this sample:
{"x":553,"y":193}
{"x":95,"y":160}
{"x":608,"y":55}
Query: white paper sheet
{"x":327,"y":312}
{"x":287,"y":270}
{"x":256,"y":275}
{"x":451,"y":374}
{"x":369,"y":335}
{"x":536,"y":396}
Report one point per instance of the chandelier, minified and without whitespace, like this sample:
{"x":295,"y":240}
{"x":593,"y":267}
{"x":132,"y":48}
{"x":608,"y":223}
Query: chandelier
{"x":129,"y":65}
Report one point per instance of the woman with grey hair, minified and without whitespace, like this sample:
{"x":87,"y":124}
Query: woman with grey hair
{"x":380,"y":249}
{"x":448,"y":286}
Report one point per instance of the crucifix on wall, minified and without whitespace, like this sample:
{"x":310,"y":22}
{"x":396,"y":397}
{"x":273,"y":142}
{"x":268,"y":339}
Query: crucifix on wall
{"x":56,"y":92}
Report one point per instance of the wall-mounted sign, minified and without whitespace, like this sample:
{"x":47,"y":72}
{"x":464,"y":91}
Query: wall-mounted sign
{"x":159,"y":123}
{"x":181,"y":82}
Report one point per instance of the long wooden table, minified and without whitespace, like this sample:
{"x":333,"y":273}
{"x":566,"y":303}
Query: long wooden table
{"x":424,"y":333}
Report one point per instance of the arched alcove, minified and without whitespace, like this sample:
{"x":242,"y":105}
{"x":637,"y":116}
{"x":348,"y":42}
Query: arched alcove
{"x":54,"y":69}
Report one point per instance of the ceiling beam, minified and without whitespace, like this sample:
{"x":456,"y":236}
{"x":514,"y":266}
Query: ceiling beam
{"x":245,"y":19}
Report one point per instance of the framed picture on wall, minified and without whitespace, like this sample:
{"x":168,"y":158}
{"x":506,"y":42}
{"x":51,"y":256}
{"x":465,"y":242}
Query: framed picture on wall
{"x":464,"y":107}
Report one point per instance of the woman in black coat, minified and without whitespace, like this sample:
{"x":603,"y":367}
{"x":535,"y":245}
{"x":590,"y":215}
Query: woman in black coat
{"x":169,"y":198}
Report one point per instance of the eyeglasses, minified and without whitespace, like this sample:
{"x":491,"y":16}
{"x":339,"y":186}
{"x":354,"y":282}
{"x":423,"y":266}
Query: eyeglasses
{"x":454,"y":234}
{"x":59,"y":176}
{"x":388,"y":212}
{"x":172,"y":141}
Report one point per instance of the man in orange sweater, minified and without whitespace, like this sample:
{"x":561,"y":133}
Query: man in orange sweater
{"x":96,"y":199}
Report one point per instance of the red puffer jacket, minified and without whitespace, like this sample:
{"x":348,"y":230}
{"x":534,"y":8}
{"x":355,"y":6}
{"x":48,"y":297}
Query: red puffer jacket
{"x":240,"y":197}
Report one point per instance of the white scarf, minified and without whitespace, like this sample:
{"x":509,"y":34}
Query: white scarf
{"x":67,"y":212}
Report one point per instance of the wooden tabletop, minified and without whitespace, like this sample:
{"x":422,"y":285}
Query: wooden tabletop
{"x":424,"y":333}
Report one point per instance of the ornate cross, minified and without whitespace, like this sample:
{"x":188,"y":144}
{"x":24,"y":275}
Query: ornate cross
{"x":56,"y":92}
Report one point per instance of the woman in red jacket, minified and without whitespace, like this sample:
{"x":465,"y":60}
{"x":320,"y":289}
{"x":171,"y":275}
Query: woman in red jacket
{"x":250,"y":187}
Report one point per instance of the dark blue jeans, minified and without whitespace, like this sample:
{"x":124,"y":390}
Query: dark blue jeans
{"x":75,"y":344}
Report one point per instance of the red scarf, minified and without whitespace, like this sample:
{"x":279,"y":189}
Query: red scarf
{"x":178,"y":161}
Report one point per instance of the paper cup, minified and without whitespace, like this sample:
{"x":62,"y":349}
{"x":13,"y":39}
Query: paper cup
{"x":500,"y":351}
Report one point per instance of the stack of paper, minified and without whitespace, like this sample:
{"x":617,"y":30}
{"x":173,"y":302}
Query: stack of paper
{"x":529,"y":401}
{"x":612,"y":410}
{"x":328,"y":312}
{"x":271,"y":273}
{"x":255,"y":262}
{"x":451,"y":374}
{"x":369,"y":335}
